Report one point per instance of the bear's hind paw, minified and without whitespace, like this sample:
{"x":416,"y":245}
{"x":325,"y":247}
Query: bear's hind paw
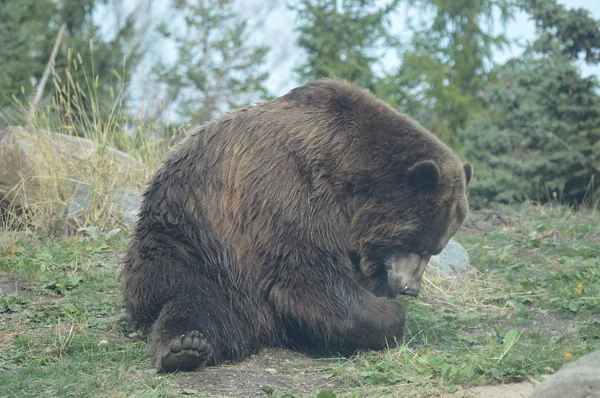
{"x":184,"y":353}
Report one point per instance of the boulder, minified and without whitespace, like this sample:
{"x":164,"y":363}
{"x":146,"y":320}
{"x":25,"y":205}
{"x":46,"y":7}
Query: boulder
{"x":124,"y":207}
{"x":579,"y":379}
{"x":452,"y":261}
{"x":38,"y":167}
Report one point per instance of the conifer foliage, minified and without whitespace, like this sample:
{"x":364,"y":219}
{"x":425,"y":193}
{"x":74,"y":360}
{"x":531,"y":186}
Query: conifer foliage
{"x":539,"y":137}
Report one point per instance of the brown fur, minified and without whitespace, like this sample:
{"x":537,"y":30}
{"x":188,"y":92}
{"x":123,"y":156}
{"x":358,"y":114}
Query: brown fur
{"x":271,"y":225}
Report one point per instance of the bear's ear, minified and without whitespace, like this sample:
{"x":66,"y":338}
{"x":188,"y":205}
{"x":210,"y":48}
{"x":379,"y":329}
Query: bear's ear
{"x":424,"y":175}
{"x":468,"y":172}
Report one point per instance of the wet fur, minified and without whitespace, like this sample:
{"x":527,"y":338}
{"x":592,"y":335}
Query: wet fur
{"x":267,"y":225}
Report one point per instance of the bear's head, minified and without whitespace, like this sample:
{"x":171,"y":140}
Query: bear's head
{"x":405,"y":190}
{"x":408,"y":200}
{"x":402,"y":221}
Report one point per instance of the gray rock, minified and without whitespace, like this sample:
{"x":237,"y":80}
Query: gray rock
{"x":31,"y":158}
{"x":124,"y":203}
{"x":26,"y":154}
{"x":579,"y":379}
{"x":452,"y":261}
{"x":128,"y":202}
{"x":80,"y":201}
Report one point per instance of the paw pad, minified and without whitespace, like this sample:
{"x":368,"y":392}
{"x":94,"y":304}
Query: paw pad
{"x":186,"y":352}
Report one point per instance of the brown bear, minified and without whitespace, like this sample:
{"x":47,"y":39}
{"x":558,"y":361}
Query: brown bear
{"x":290,"y":223}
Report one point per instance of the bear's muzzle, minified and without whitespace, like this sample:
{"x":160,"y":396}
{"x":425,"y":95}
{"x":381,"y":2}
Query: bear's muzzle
{"x":405,"y":273}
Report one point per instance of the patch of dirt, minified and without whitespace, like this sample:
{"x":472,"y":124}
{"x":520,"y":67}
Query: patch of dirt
{"x":483,"y":221}
{"x":513,"y":390}
{"x":542,"y":323}
{"x":546,"y":323}
{"x":280,"y":369}
{"x":10,"y":286}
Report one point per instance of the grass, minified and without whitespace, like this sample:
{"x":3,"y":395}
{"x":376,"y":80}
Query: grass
{"x":82,"y":107}
{"x":530,"y":303}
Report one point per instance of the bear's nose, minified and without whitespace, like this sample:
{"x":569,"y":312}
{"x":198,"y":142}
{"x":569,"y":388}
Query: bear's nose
{"x":405,"y":273}
{"x":410,"y":292}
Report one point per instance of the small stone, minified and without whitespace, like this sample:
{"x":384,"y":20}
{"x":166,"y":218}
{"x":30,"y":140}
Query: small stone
{"x":452,"y":261}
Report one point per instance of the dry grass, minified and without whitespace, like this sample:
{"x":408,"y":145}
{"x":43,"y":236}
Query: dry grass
{"x":470,"y":291}
{"x":59,"y":163}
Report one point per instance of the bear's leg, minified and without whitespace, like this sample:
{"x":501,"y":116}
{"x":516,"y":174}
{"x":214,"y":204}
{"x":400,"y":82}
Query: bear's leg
{"x":197,"y":329}
{"x":338,"y":316}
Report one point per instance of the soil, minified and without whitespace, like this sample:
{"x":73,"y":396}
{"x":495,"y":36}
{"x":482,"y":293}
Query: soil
{"x":513,"y":390}
{"x":289,"y":371}
{"x":279,"y":369}
{"x":546,"y":323}
{"x":10,"y":286}
{"x":482,"y":222}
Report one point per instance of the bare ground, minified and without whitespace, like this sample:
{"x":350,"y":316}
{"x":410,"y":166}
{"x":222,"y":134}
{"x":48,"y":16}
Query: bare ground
{"x":289,"y":371}
{"x":279,"y":369}
{"x":10,"y":286}
{"x":512,"y":390}
{"x":483,"y":221}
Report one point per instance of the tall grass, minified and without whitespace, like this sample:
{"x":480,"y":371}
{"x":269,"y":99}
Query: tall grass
{"x":80,"y":106}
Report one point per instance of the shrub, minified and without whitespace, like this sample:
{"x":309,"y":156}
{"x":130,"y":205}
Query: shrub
{"x":539,"y":138}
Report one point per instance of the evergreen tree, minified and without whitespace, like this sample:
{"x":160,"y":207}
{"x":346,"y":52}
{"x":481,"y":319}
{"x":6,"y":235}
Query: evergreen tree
{"x":573,"y":30}
{"x":22,"y":44}
{"x":216,"y":70}
{"x":539,"y":138}
{"x":445,"y":66}
{"x":343,"y":40}
{"x":28,"y":30}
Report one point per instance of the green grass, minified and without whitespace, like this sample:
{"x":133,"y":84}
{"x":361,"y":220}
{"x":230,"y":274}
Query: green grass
{"x":530,"y":303}
{"x":63,"y":335}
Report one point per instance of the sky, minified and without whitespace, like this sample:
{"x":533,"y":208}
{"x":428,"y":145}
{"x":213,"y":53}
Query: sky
{"x":272,"y":23}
